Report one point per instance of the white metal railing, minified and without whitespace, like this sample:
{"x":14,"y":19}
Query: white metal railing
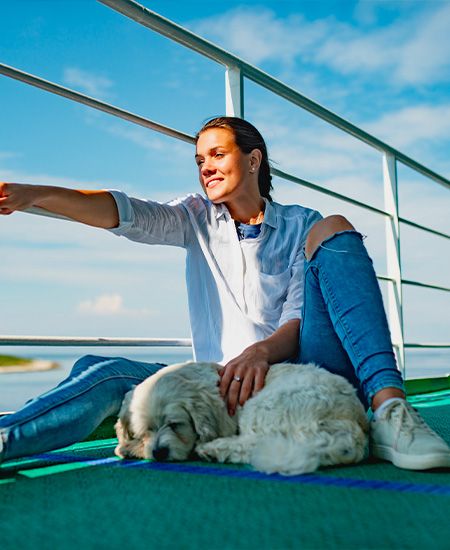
{"x":74,"y":341}
{"x":235,"y":71}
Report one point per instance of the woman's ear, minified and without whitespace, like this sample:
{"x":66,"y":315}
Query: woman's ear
{"x":255,"y":160}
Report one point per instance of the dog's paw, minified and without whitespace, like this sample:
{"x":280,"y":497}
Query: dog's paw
{"x":205,"y":453}
{"x":118,"y":451}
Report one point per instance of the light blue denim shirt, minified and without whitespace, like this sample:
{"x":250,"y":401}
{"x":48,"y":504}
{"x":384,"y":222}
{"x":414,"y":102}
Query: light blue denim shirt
{"x":239,"y":292}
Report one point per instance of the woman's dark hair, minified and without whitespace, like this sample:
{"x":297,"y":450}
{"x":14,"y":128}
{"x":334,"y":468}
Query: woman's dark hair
{"x":247,"y":138}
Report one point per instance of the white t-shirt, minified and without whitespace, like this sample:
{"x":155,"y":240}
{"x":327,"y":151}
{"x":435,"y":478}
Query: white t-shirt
{"x":239,"y":292}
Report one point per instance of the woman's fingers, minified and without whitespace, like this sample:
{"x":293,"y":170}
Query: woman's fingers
{"x":247,"y":386}
{"x":237,"y":388}
{"x":226,"y":376}
{"x":243,"y":377}
{"x":4,"y":206}
{"x":259,"y":381}
{"x":233,"y":395}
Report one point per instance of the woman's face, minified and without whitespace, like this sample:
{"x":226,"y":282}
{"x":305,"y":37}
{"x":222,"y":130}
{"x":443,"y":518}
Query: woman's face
{"x":224,"y":170}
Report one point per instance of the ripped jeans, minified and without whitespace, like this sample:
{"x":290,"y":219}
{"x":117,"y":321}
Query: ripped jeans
{"x":344,"y":329}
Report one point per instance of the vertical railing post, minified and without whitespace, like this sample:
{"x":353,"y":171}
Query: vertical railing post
{"x":234,"y":92}
{"x":393,"y":260}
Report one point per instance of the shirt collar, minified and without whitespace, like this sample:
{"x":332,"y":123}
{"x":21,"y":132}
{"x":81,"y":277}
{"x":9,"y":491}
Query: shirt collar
{"x":270,"y":217}
{"x":220,"y":210}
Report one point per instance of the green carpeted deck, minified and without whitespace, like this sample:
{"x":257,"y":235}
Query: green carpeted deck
{"x":83,"y":497}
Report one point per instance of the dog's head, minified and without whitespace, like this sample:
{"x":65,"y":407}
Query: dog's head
{"x":169,"y":413}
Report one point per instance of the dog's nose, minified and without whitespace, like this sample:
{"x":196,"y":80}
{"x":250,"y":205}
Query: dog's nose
{"x":161,"y":453}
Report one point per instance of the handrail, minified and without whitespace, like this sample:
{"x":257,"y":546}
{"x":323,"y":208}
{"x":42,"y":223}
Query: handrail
{"x":431,"y":346}
{"x":91,"y":102}
{"x":160,"y":24}
{"x":424,"y":228}
{"x":87,"y":341}
{"x":315,"y":187}
{"x":425,"y":285}
{"x":92,"y":341}
{"x":414,"y":283}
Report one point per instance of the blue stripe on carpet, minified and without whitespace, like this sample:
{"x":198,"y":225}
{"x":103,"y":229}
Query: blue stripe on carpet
{"x":304,"y":479}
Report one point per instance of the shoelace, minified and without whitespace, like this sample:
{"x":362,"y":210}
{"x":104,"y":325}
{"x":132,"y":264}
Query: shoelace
{"x":408,"y":419}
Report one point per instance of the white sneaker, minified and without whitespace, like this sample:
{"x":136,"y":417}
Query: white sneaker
{"x":401,"y":436}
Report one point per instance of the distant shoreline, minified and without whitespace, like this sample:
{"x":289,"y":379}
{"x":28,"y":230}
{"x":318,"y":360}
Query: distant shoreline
{"x":10,"y":364}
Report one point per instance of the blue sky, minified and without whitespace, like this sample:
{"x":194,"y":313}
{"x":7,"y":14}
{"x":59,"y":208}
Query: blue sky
{"x":382,"y":65}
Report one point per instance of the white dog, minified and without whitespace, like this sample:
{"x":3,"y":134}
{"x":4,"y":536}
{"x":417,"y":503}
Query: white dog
{"x":304,"y":417}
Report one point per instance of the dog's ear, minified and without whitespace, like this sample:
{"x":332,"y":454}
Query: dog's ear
{"x":206,"y":413}
{"x":123,"y":428}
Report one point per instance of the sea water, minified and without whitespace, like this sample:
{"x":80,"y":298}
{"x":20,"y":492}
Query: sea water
{"x":16,"y":388}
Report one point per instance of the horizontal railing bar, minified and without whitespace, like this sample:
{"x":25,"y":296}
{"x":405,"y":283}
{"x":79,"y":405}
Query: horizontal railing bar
{"x":411,"y":345}
{"x":384,"y":278}
{"x":320,"y":189}
{"x":425,"y":285}
{"x":187,"y":38}
{"x":92,"y":341}
{"x":424,"y":228}
{"x":414,"y":283}
{"x":91,"y":102}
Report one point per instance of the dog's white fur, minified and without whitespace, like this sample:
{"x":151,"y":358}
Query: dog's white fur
{"x":304,"y":417}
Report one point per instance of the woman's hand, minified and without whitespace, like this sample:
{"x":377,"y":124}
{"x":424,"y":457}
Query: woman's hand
{"x":16,"y":196}
{"x":244,"y":376}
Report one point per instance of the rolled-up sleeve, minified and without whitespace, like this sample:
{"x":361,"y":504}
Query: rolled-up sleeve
{"x":152,"y":222}
{"x":293,"y":305}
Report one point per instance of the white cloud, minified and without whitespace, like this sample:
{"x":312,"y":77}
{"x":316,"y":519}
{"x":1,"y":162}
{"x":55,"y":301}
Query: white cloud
{"x":90,"y":83}
{"x":413,"y":50}
{"x":109,"y":304}
{"x":151,"y":141}
{"x":259,"y":35}
{"x":425,"y":55}
{"x":417,"y":123}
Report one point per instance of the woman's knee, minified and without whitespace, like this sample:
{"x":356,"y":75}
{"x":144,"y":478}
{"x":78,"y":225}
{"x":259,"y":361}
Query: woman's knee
{"x":323,"y":229}
{"x":85,"y":362}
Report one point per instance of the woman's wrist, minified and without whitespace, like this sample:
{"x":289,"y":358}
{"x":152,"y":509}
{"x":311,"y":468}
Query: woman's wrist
{"x":40,"y":194}
{"x":262,"y":351}
{"x":282,"y":345}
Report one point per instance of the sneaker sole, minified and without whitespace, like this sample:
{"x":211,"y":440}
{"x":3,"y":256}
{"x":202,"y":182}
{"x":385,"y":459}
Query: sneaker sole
{"x":410,"y":462}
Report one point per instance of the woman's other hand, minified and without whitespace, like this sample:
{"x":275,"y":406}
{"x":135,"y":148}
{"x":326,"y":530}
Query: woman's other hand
{"x":244,"y":376}
{"x":16,"y":196}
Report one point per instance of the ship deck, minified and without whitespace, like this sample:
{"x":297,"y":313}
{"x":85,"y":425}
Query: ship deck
{"x":83,"y":496}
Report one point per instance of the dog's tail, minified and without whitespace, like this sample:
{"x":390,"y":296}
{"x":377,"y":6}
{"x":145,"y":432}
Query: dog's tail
{"x":309,"y":450}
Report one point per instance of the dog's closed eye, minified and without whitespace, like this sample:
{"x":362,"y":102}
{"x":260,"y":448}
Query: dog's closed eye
{"x":174,"y":426}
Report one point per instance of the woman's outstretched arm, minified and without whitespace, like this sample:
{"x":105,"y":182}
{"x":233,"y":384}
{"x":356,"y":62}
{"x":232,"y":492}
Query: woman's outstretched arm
{"x":96,"y":208}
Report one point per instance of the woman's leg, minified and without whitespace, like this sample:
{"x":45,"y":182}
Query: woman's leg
{"x":70,"y":412}
{"x":344,"y":325}
{"x":344,"y":329}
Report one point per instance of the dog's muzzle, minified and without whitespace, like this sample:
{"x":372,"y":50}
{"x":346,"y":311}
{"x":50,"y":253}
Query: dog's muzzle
{"x":160,"y":453}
